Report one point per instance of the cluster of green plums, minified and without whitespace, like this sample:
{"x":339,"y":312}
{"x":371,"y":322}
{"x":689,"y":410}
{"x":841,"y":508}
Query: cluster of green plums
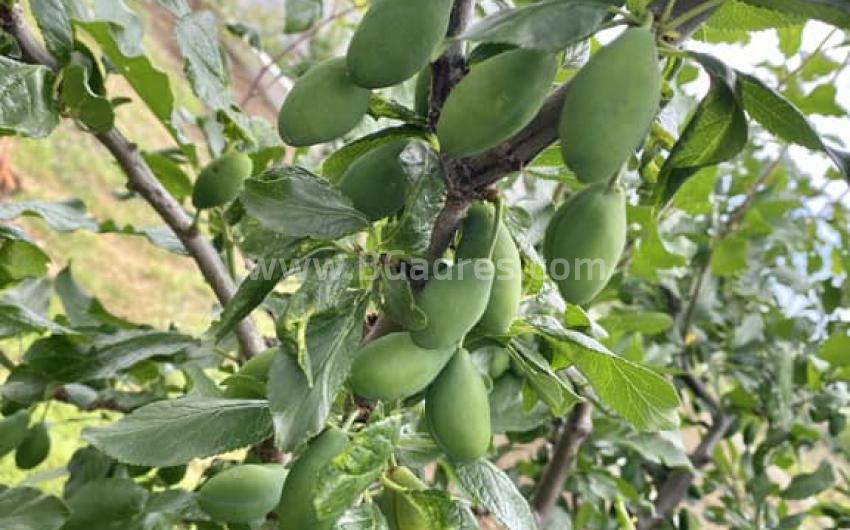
{"x":606,"y":114}
{"x":247,"y":493}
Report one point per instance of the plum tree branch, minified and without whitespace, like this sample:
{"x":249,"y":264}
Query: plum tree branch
{"x":446,"y":71}
{"x":522,"y":148}
{"x":450,"y":67}
{"x":674,"y":489}
{"x":140,"y":178}
{"x":575,"y":432}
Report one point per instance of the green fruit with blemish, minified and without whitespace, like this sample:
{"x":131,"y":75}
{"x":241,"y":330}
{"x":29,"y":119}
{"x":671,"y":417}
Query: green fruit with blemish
{"x":34,"y":449}
{"x":377,"y":182}
{"x":242,"y":494}
{"x":495,"y":100}
{"x":221,"y":181}
{"x":584,"y":241}
{"x":394,"y":367}
{"x":506,"y":292}
{"x":610,"y":105}
{"x":395,"y":40}
{"x":453,"y":301}
{"x":13,"y":431}
{"x":324,"y":104}
{"x":296,"y":510}
{"x":457,"y":409}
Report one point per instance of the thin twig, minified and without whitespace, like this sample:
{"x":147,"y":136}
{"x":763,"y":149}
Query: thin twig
{"x":551,"y":484}
{"x":253,"y":88}
{"x":674,"y":489}
{"x":141,"y":179}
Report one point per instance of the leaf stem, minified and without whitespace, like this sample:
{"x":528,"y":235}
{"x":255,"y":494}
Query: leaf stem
{"x":693,"y":13}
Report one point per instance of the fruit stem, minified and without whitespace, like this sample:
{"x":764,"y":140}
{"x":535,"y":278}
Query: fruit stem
{"x":388,"y":482}
{"x":349,"y":421}
{"x":629,"y":17}
{"x":668,"y":12}
{"x":494,"y":233}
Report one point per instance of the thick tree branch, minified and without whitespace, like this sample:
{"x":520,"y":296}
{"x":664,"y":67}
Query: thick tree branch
{"x":575,"y":432}
{"x":445,"y":74}
{"x":521,"y":149}
{"x":674,"y":489}
{"x":141,"y":179}
{"x":451,"y":66}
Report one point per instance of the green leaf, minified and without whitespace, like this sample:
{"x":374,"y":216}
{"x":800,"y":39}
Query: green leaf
{"x":507,"y":411}
{"x":260,"y":281}
{"x":301,"y":15}
{"x":60,"y":216}
{"x":124,"y":25}
{"x":551,"y":388}
{"x":178,"y":8}
{"x":170,"y":174}
{"x":738,"y":15}
{"x":653,"y":255}
{"x":730,"y":256}
{"x":776,"y":114}
{"x":399,"y":303}
{"x":648,"y":323}
{"x":551,"y":25}
{"x":441,"y":511}
{"x":294,"y":202}
{"x":173,"y":432}
{"x":716,"y":133}
{"x":26,"y":107}
{"x":363,"y":517}
{"x":17,"y":318}
{"x":412,"y":233}
{"x":641,"y":396}
{"x":380,"y":107}
{"x":299,"y":409}
{"x":82,"y":309}
{"x":810,"y":484}
{"x":657,"y":449}
{"x":197,"y":36}
{"x":821,"y":100}
{"x":20,"y":257}
{"x":835,"y":12}
{"x":836,"y":350}
{"x":355,"y":469}
{"x":82,"y":103}
{"x":30,"y":509}
{"x":108,"y":503}
{"x":54,"y":22}
{"x":152,"y":85}
{"x":62,"y":359}
{"x":335,"y":165}
{"x":492,"y":488}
